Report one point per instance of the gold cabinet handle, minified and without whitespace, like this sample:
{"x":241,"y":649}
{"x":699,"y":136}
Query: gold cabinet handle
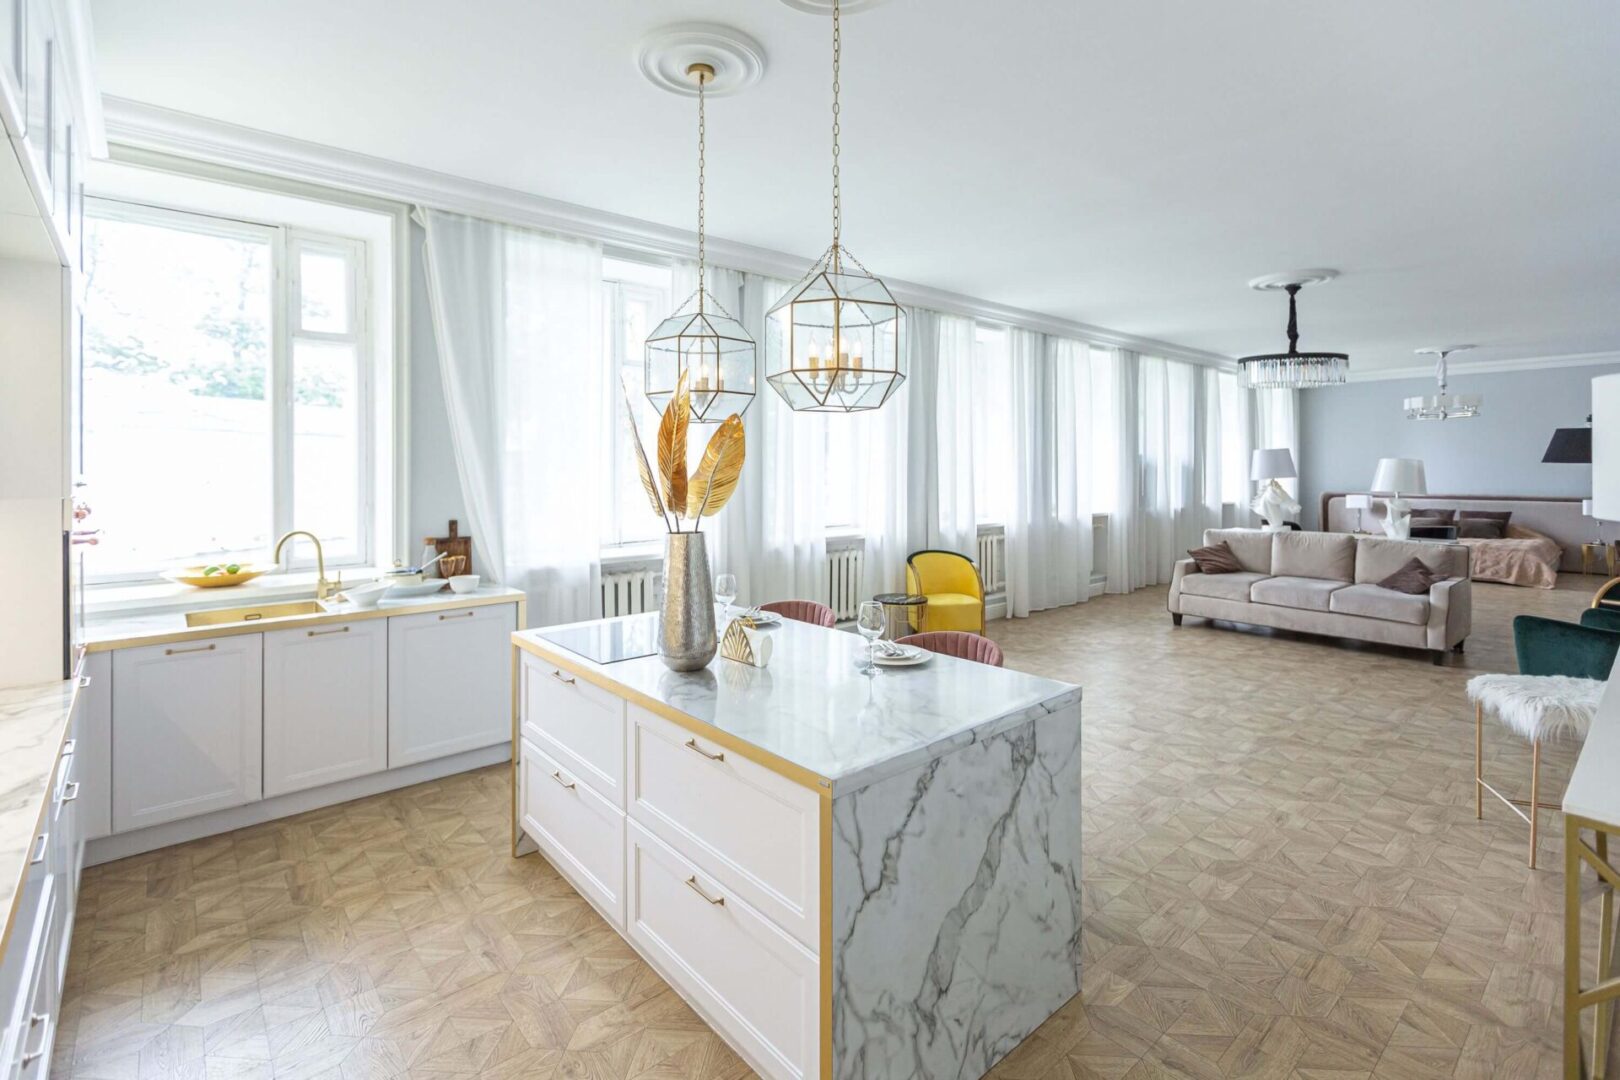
{"x":70,"y":792}
{"x":458,"y":615}
{"x":692,"y":744}
{"x":318,"y":633}
{"x":557,"y":776}
{"x":84,"y":681}
{"x":201,"y":648}
{"x":691,"y":883}
{"x":68,"y":747}
{"x":39,"y":849}
{"x":564,"y":679}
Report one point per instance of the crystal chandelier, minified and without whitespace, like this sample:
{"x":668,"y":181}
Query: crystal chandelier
{"x":1293,"y":369}
{"x":701,"y":340}
{"x":834,"y":342}
{"x":1442,"y":406}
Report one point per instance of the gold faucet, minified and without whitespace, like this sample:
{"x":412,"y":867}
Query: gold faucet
{"x":323,"y":588}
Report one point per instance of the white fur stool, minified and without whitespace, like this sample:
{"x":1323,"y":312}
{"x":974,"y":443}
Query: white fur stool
{"x":1536,"y":707}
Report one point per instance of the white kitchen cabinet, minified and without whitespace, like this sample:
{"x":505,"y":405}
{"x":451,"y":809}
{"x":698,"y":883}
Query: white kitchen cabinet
{"x":325,"y":704}
{"x":449,"y":682}
{"x":186,"y":730}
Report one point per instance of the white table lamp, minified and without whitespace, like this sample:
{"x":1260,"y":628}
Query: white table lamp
{"x":1586,"y":511}
{"x":1273,"y":502}
{"x":1396,"y":476}
{"x":1360,"y":504}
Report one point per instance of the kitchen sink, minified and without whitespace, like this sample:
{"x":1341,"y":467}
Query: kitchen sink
{"x":220,"y":616}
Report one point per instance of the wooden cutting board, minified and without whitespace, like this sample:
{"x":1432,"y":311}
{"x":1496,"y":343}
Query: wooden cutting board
{"x":454,"y":544}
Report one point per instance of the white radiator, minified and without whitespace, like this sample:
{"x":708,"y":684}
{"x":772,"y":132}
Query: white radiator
{"x":845,"y":569}
{"x":630,"y":592}
{"x":993,"y":560}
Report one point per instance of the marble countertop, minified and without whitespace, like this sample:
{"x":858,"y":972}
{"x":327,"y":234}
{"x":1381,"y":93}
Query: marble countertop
{"x":169,"y":625}
{"x":33,"y":720}
{"x":813,"y":708}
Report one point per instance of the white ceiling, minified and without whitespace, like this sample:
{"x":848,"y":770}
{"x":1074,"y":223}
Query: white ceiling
{"x":1130,"y":165}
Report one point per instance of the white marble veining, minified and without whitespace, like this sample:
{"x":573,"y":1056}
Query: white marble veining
{"x":169,"y":624}
{"x":32,"y":721}
{"x":813,"y":708}
{"x":956,"y":904}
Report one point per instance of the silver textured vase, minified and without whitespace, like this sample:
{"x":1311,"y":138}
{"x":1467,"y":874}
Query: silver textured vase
{"x":686,"y":638}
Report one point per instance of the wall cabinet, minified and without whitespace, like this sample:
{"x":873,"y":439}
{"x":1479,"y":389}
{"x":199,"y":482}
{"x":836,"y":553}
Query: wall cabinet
{"x":325,"y":705}
{"x":187,"y":729}
{"x":449,"y":682}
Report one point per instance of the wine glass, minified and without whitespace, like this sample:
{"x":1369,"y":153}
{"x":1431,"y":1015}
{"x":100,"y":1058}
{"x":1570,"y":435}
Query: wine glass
{"x":725,"y":591}
{"x":871,"y":622}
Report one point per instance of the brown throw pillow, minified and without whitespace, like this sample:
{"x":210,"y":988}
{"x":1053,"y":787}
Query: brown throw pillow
{"x":1478,"y":529}
{"x":1432,"y":515}
{"x":1216,"y":559}
{"x":1413,"y":579}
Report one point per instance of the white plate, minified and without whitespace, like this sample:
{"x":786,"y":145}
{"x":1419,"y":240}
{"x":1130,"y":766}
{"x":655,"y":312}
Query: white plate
{"x":917,"y":656}
{"x":423,"y":588}
{"x":763,"y":618}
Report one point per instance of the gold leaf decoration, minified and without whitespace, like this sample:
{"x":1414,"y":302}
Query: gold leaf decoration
{"x":672,"y":448}
{"x":642,"y":466}
{"x":718,"y":473}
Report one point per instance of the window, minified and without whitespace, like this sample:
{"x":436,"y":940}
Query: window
{"x":637,"y":298}
{"x":994,"y":469}
{"x":227,"y":390}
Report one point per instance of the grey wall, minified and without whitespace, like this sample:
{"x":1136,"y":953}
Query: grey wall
{"x":1344,"y":430}
{"x":435,"y":495}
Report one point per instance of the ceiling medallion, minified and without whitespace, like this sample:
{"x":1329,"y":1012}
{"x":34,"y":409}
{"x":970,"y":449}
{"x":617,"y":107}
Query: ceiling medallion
{"x":835,"y":341}
{"x":701,"y":342}
{"x":1293,"y":370}
{"x":665,"y":55}
{"x":825,"y":7}
{"x":1441,"y":405}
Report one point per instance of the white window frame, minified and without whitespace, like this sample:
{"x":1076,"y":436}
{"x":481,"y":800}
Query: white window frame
{"x":285,"y":243}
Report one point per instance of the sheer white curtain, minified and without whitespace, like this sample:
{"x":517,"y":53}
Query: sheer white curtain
{"x":517,"y":318}
{"x":939,"y":435}
{"x":1270,"y":420}
{"x":1049,"y":539}
{"x":1127,"y":559}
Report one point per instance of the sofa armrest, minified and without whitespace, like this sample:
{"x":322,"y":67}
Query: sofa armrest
{"x":1451,"y":612}
{"x":1183,"y":568}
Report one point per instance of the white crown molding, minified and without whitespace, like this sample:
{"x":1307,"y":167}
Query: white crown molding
{"x":167,"y":131}
{"x":1488,"y":367}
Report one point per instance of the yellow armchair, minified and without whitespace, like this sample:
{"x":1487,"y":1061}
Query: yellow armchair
{"x":954,"y":590}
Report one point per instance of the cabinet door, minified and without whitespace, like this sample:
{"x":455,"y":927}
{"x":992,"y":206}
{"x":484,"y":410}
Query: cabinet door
{"x":186,"y":729}
{"x":325,"y":704}
{"x":449,"y":682}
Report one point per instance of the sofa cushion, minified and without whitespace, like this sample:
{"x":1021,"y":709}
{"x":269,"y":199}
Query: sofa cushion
{"x":1251,"y":546}
{"x":1221,"y":586}
{"x":1307,"y":593}
{"x":1378,"y":557}
{"x":1313,"y":555}
{"x":1216,"y":559}
{"x":1377,"y":602}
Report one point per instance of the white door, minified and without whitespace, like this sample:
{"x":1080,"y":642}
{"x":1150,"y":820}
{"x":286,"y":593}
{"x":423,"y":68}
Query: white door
{"x":186,"y":732}
{"x":449,"y":682}
{"x":325,"y":704}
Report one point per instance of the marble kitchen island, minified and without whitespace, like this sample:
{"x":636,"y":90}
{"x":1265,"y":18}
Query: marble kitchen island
{"x":846,"y":876}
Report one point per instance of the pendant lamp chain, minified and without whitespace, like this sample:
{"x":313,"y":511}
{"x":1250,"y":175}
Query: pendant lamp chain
{"x":838,"y":206}
{"x":703,"y":131}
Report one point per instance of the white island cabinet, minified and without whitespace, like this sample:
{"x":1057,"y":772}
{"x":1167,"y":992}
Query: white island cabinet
{"x":846,"y":876}
{"x":325,"y":704}
{"x":186,"y":720}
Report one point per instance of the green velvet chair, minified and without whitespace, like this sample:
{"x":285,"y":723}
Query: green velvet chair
{"x":1583,"y":651}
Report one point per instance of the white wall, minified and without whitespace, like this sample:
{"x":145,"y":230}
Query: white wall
{"x":1344,"y":430}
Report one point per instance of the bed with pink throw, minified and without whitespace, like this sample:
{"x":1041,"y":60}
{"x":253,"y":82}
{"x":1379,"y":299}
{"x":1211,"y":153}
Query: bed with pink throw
{"x":1522,"y":557}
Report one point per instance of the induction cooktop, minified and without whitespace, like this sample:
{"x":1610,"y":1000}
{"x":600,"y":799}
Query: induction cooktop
{"x":611,"y":640}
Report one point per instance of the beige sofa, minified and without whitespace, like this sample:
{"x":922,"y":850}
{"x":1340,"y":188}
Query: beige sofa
{"x":1327,"y":583}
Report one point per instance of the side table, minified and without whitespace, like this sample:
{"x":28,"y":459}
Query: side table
{"x":897,"y":610}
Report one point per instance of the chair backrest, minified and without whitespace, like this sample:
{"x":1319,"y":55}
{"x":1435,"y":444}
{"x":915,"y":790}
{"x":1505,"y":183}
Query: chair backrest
{"x":805,"y":611}
{"x":942,"y":572}
{"x":956,"y":643}
{"x":1551,"y":647}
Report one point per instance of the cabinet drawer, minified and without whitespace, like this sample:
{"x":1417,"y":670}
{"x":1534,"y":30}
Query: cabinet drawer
{"x":759,"y":986}
{"x":28,"y":1026}
{"x":756,"y":832}
{"x":579,"y":724}
{"x":580,"y":831}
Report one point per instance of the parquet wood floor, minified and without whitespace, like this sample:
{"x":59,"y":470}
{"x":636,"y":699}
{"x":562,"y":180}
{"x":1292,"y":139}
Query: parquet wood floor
{"x":1283,"y":878}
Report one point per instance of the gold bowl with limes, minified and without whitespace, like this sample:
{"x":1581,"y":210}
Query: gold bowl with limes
{"x":216,"y":575}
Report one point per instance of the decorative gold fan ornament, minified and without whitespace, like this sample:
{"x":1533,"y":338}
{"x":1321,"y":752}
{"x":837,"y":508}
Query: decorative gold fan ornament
{"x":673,"y":494}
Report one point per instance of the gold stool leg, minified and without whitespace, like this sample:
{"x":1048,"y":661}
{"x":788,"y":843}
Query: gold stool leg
{"x":1535,"y":796}
{"x":1605,"y":1013}
{"x":1574,"y":1063}
{"x":1479,"y":761}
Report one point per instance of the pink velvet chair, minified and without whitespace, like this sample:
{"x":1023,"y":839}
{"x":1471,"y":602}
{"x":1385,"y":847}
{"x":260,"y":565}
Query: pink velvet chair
{"x":805,"y":611}
{"x":963,"y":646}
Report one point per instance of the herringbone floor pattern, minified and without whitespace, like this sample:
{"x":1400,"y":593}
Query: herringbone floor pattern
{"x":1283,"y":878}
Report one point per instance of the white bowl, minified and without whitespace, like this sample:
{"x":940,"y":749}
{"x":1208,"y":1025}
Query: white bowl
{"x":421,"y":588}
{"x":365,"y":597}
{"x":464,"y":583}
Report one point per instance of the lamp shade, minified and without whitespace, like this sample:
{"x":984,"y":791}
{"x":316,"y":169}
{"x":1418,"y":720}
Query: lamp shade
{"x":1402,"y":475}
{"x":1272,"y":465}
{"x":1569,"y":446}
{"x":1358,"y":502}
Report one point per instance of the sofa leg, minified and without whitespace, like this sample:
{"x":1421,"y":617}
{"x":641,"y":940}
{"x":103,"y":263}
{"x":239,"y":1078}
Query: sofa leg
{"x":1175,"y":618}
{"x":1439,"y":658}
{"x":1458,"y":648}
